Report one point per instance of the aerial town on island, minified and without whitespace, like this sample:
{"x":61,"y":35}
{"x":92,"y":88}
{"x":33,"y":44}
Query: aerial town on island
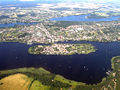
{"x":62,"y":49}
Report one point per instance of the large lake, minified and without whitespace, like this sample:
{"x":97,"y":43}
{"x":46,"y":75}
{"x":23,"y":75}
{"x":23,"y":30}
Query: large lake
{"x":83,"y":18}
{"x":90,"y":68}
{"x":67,"y":18}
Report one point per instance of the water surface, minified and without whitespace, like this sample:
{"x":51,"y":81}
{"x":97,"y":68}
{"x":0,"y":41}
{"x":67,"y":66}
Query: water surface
{"x":84,"y":18}
{"x":15,"y":24}
{"x":90,"y":68}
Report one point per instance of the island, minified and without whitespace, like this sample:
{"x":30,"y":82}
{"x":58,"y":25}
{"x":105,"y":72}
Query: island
{"x":62,"y":49}
{"x":98,"y":15}
{"x":41,"y":79}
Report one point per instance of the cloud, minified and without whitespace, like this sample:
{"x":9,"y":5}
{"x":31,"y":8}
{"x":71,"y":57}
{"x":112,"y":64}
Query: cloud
{"x":27,"y":0}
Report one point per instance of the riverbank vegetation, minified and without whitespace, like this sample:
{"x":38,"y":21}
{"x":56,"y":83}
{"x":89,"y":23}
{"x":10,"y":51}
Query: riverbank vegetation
{"x":39,"y":78}
{"x":62,"y":49}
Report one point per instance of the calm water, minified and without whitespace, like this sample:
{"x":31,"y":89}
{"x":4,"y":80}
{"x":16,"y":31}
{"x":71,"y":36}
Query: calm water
{"x":67,"y":18}
{"x":89,"y":68}
{"x":15,"y":24}
{"x":83,"y":18}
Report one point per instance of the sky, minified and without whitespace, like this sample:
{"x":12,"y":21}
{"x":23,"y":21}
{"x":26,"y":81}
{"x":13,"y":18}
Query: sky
{"x":74,"y":0}
{"x":54,"y":1}
{"x":58,"y":0}
{"x":70,"y":0}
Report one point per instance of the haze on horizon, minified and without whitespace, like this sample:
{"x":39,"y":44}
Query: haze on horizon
{"x":35,"y":2}
{"x":59,"y":1}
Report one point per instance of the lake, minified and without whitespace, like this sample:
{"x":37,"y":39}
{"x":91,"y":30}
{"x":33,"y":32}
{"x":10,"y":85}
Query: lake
{"x":90,"y":68}
{"x":16,"y":24}
{"x":83,"y":18}
{"x":67,"y":18}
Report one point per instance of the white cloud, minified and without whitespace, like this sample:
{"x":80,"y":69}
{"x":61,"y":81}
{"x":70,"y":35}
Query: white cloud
{"x":27,"y":0}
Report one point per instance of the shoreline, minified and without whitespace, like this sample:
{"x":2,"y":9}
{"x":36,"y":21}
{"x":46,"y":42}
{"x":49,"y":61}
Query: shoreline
{"x":29,"y":71}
